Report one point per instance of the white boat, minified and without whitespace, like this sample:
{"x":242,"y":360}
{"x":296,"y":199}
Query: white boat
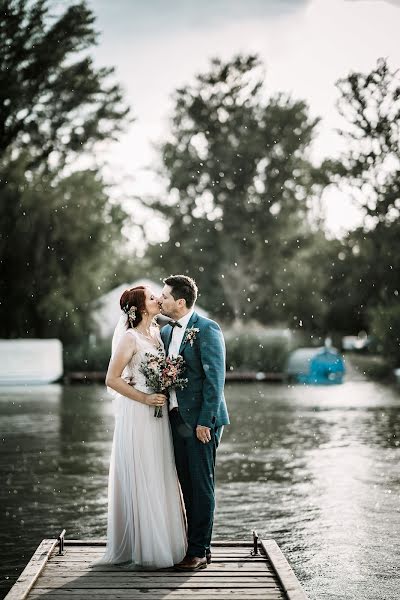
{"x":30,"y":361}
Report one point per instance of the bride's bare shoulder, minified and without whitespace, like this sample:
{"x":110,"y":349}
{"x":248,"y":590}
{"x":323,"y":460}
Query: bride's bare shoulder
{"x":131,"y":331}
{"x":127,"y":343}
{"x":131,"y":336}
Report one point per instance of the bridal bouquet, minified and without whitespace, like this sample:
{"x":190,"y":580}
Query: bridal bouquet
{"x":162,"y":373}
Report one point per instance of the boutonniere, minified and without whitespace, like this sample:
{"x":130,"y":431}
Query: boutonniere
{"x":191,"y":334}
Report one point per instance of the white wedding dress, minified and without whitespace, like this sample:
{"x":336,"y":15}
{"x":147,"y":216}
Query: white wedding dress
{"x":146,"y":519}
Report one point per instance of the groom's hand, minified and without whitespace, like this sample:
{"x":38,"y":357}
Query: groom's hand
{"x":203,"y":434}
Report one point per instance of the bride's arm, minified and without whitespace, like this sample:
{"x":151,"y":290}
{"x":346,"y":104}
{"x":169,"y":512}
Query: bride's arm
{"x":114,"y":380}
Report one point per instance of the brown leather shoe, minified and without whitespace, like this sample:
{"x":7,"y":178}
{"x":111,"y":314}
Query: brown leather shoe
{"x":191,"y":563}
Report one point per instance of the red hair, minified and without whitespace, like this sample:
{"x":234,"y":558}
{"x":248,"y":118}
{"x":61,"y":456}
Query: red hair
{"x":134,"y":297}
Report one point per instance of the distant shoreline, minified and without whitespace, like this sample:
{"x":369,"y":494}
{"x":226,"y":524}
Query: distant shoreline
{"x":240,"y":376}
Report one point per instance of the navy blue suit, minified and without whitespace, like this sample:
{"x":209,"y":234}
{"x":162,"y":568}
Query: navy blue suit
{"x":201,"y":402}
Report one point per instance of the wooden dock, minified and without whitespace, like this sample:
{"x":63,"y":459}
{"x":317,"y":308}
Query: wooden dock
{"x":239,"y":571}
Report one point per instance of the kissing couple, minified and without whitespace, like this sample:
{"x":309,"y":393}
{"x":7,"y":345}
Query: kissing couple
{"x":161,"y":495}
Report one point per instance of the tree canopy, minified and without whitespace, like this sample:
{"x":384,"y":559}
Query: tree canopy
{"x":368,"y":276}
{"x":59,"y":230}
{"x":53,"y":100}
{"x":364,"y":280}
{"x":240,"y":186}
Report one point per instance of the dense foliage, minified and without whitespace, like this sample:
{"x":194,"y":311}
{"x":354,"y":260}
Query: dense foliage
{"x":241,"y":190}
{"x":59,"y":231}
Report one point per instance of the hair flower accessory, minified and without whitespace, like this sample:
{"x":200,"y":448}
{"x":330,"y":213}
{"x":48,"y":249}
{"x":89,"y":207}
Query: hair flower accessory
{"x":130,"y":311}
{"x":191,"y":334}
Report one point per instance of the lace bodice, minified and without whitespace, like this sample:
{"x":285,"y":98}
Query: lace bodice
{"x":142,"y":346}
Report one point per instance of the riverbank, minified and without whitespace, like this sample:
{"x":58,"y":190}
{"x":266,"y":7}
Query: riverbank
{"x":358,"y":366}
{"x":231,"y":376}
{"x":372,"y":366}
{"x":254,"y":349}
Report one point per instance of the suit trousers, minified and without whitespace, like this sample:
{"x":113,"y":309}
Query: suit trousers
{"x":195,"y":465}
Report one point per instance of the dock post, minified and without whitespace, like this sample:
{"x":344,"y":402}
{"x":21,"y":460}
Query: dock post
{"x":61,"y":543}
{"x":254,"y":552}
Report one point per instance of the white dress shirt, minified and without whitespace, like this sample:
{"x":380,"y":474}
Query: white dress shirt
{"x":176,"y":340}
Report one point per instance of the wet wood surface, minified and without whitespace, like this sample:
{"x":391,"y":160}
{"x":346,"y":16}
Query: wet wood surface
{"x":235,"y":573}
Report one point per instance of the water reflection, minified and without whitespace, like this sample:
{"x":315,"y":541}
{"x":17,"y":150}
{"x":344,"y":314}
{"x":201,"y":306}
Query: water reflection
{"x":315,"y":468}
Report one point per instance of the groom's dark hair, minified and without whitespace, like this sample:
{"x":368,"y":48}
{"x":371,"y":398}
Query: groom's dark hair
{"x":182,"y":287}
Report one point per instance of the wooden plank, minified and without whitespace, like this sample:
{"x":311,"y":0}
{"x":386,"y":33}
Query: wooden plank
{"x":286,"y":576}
{"x":128,"y":595}
{"x":85,"y":560}
{"x":227,"y":569}
{"x":80,"y":567}
{"x":237,"y":557}
{"x":117,"y":594}
{"x":112,"y":594}
{"x":204,"y":574}
{"x":218,"y":551}
{"x":30,"y":574}
{"x":103,"y":582}
{"x":215,"y":544}
{"x":79,"y":552}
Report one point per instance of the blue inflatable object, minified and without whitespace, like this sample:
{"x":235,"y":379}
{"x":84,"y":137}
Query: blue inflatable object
{"x":316,"y":366}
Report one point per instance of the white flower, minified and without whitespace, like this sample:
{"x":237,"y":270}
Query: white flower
{"x":191,"y":334}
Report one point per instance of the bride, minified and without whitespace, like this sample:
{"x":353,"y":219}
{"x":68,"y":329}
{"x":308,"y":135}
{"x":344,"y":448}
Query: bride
{"x":146,"y":522}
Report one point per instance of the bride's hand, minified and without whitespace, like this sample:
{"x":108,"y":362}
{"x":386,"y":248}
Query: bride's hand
{"x":156,"y":399}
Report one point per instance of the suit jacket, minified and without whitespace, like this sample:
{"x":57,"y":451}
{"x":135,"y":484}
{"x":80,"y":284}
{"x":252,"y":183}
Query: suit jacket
{"x":202,"y":401}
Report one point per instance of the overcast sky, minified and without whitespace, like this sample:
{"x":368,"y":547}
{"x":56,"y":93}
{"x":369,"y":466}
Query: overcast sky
{"x":306,"y":45}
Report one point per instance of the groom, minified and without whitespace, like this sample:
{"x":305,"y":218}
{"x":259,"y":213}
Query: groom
{"x":197,"y":413}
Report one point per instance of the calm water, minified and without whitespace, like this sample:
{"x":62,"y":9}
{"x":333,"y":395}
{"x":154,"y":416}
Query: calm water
{"x":315,"y":468}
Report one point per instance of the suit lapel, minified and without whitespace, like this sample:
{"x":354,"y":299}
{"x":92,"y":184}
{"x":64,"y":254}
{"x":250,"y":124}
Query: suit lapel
{"x":192,"y":320}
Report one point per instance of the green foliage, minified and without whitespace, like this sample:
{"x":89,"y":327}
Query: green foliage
{"x":240,"y":184}
{"x":370,"y":105}
{"x":60,"y":234}
{"x":87,"y":356}
{"x":385,"y":325}
{"x":372,"y":366}
{"x":57,"y":255}
{"x":257,"y":349}
{"x":304,"y":284}
{"x":53,"y":101}
{"x":367,"y":274}
{"x":253,"y":350}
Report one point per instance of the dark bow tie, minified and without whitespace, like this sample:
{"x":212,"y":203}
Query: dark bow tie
{"x":175,"y":324}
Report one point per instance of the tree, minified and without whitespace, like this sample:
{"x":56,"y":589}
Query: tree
{"x":369,"y":272}
{"x":370,"y":106}
{"x":240,"y":184}
{"x":53,"y":101}
{"x":59,"y":256}
{"x":385,"y":323}
{"x":59,"y":231}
